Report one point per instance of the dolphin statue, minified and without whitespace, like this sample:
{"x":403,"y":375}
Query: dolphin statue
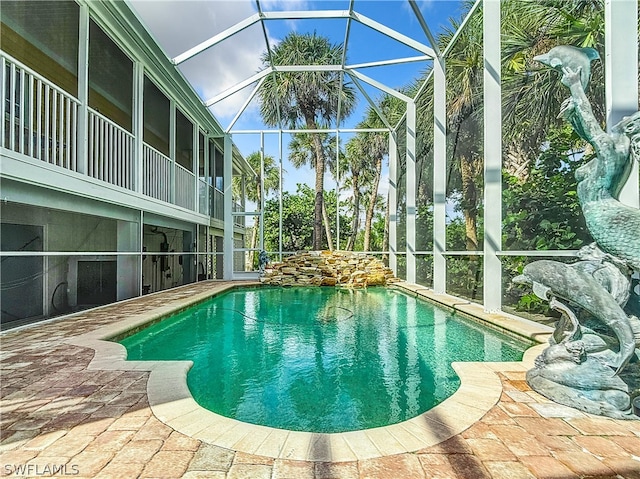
{"x":578,"y":287}
{"x":574,"y":58}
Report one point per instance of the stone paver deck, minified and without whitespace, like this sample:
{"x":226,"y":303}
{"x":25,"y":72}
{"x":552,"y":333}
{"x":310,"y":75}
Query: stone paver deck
{"x":60,"y":417}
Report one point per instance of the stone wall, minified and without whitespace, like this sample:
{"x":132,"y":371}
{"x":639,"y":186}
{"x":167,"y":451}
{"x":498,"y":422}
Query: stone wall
{"x":328,"y":268}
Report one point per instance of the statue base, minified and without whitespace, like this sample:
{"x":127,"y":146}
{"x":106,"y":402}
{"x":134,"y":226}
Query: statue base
{"x":586,"y":383}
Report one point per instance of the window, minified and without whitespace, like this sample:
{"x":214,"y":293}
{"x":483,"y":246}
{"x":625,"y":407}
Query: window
{"x":184,"y":141}
{"x":110,"y":78}
{"x":216,"y":166}
{"x":156,"y":111}
{"x":44,"y":36}
{"x":201,"y":172}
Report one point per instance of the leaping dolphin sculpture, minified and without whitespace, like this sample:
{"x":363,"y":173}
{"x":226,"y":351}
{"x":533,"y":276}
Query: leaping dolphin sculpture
{"x":567,"y":56}
{"x":550,"y":278}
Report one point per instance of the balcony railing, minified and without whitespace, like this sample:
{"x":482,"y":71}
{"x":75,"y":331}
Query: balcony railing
{"x":110,"y":151}
{"x":156,"y":174}
{"x":42,"y":121}
{"x":185,"y":188}
{"x":217,"y":207}
{"x":205,"y":192}
{"x":39,"y":119}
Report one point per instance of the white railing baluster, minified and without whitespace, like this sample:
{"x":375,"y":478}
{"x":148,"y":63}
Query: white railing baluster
{"x":60,"y":122}
{"x":31,"y":111}
{"x":123,"y":162}
{"x":4,"y":95}
{"x":103,"y":151}
{"x":118,"y":157}
{"x":39,"y":120}
{"x":91,"y":146}
{"x":108,"y":154}
{"x":12,"y":109}
{"x":113,"y":154}
{"x":22,"y":110}
{"x":127,"y":167}
{"x":74,"y":136}
{"x":46,"y":123}
{"x":54,"y":132}
{"x":66,"y":146}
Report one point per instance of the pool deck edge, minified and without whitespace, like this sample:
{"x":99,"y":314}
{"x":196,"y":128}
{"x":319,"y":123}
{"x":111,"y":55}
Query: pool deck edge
{"x":172,"y":403}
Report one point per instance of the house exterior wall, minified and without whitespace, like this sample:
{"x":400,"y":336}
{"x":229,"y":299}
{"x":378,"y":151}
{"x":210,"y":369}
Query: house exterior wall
{"x":91,"y":212}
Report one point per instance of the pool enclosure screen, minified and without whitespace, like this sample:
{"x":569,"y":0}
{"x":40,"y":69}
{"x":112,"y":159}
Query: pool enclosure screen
{"x":480,"y":169}
{"x":118,"y":180}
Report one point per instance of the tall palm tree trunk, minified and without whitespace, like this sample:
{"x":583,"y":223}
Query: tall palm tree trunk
{"x":373,"y":196}
{"x":385,"y":235}
{"x":319,"y":187}
{"x":469,"y":198}
{"x":327,"y":227}
{"x":251,"y":256}
{"x":355,"y":224}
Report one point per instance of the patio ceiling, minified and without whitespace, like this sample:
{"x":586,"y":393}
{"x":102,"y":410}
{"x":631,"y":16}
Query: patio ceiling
{"x":396,"y":48}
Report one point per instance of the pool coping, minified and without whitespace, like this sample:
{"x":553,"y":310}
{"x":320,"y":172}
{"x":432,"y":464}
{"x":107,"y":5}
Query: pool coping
{"x":172,"y":402}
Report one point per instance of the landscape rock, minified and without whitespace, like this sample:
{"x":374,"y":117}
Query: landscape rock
{"x":329,"y":268}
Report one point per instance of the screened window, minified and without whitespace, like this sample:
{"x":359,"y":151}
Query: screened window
{"x":156,"y":117}
{"x":44,"y":36}
{"x":184,"y":141}
{"x":201,"y":163}
{"x":110,"y":78}
{"x":216,"y":166}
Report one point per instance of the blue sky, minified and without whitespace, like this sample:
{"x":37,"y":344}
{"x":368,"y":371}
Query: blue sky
{"x":180,"y":25}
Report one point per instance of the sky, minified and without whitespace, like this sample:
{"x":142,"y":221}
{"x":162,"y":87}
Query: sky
{"x":180,"y":25}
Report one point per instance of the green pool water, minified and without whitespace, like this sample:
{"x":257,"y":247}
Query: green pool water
{"x":320,"y":359}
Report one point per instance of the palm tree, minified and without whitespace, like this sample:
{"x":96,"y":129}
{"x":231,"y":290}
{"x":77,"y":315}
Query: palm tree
{"x":532,"y":93}
{"x":254,"y":192}
{"x":368,"y":150}
{"x":302,"y":149}
{"x":464,"y":70}
{"x":309,"y":99}
{"x":355,"y":159}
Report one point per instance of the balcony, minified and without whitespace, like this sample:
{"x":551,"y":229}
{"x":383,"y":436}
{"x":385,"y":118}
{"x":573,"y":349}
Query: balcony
{"x":44,"y":122}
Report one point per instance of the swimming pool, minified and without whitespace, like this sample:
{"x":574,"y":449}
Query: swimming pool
{"x":320,"y":359}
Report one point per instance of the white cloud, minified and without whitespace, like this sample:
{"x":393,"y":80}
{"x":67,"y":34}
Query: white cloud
{"x":178,"y":26}
{"x":285,"y":5}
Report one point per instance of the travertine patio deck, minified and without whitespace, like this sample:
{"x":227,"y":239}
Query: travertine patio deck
{"x":59,"y":417}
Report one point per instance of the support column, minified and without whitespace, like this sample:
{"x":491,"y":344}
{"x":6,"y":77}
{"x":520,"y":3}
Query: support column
{"x":393,"y":201}
{"x":492,"y":157}
{"x":189,"y":261}
{"x":83,"y":91}
{"x":411,"y":178}
{"x":621,"y":76}
{"x":138,"y":126}
{"x":172,"y":151}
{"x":337,"y":190}
{"x":439,"y":176}
{"x":127,"y":272}
{"x":227,"y":257}
{"x":195,"y":165}
{"x":262,"y":193}
{"x":207,"y":189}
{"x":280,"y":198}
